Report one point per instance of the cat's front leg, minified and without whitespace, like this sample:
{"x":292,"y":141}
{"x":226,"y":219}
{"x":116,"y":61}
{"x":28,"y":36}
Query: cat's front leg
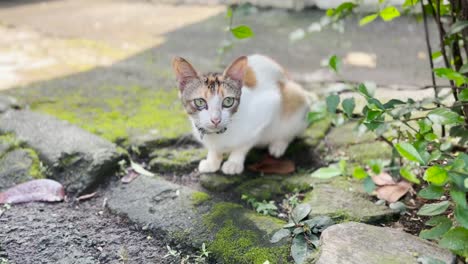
{"x":235,"y":162}
{"x":211,"y":163}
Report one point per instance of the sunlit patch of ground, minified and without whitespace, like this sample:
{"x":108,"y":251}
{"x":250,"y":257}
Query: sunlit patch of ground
{"x":50,"y":42}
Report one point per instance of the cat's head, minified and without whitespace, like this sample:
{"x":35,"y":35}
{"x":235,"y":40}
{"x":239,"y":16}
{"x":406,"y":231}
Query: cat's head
{"x":210,"y":99}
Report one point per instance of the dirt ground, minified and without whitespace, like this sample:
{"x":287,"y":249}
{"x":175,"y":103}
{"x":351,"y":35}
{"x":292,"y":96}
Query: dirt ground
{"x":75,"y":233}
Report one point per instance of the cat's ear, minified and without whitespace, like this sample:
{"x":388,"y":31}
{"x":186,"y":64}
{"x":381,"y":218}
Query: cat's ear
{"x":184,"y":71}
{"x":236,"y":71}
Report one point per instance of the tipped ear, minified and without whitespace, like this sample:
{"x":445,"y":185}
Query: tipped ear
{"x":184,"y":71}
{"x":236,"y":70}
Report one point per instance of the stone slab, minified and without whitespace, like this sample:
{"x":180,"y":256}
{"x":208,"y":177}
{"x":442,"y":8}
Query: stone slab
{"x":356,"y":243}
{"x":186,"y":217}
{"x":74,"y":157}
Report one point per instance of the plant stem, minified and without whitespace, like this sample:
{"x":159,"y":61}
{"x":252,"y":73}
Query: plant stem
{"x":442,"y":42}
{"x":431,"y":62}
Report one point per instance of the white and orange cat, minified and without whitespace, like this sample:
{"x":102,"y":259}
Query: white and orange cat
{"x":252,"y":103}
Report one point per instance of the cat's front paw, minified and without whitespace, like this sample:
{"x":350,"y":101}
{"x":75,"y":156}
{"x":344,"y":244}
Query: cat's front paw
{"x":232,"y":167}
{"x":207,"y":166}
{"x":277,"y":148}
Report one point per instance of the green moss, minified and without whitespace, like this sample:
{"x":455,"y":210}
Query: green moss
{"x":218,"y":182}
{"x":36,"y":170}
{"x":170,"y":159}
{"x":117,"y":113}
{"x":200,"y":197}
{"x":269,"y":187}
{"x":240,"y":238}
{"x":8,"y":142}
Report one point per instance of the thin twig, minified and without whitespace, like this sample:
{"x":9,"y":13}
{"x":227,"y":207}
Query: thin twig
{"x":431,"y":62}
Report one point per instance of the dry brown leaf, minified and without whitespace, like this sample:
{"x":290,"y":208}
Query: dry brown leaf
{"x":271,"y":165}
{"x":131,"y":175}
{"x":43,"y":190}
{"x":383,"y":179}
{"x":86,"y":196}
{"x":393,"y":193}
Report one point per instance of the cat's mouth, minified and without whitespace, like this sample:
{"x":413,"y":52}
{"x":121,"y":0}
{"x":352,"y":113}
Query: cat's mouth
{"x":204,"y":131}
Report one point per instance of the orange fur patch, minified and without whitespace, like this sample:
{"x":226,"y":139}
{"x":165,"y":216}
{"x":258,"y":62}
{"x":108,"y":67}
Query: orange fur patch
{"x":250,"y":80}
{"x":294,"y":97}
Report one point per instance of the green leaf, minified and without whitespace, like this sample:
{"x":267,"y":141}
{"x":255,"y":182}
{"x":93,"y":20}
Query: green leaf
{"x":369,"y":185}
{"x":463,"y":95}
{"x":389,"y":13}
{"x":299,"y":249}
{"x":410,"y":3}
{"x":367,"y":19}
{"x":459,"y":197}
{"x":363,"y":90}
{"x":242,"y":32}
{"x":436,"y":54}
{"x":392,"y":103}
{"x":229,"y":12}
{"x":407,"y":151}
{"x":436,"y":175}
{"x":431,"y":192}
{"x":450,"y":74}
{"x":433,"y":209}
{"x":279,"y":235}
{"x":408,"y":175}
{"x":461,"y":214}
{"x":334,"y":63}
{"x":455,"y":239}
{"x":348,"y":105}
{"x":443,"y":224}
{"x":459,"y":180}
{"x":359,"y":173}
{"x":458,"y":26}
{"x":342,"y":165}
{"x":425,"y":126}
{"x":300,"y":212}
{"x":327,"y":172}
{"x":315,"y":116}
{"x":444,"y":116}
{"x":430,"y":137}
{"x":332,"y":102}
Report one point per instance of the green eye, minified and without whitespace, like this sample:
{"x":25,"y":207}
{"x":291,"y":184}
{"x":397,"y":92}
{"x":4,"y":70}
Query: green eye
{"x":199,"y":103}
{"x":228,"y":102}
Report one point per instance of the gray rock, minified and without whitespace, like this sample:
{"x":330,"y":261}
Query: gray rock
{"x":15,"y":167}
{"x":186,"y":217}
{"x":345,"y":200}
{"x":356,"y":243}
{"x":7,"y":102}
{"x":74,"y":157}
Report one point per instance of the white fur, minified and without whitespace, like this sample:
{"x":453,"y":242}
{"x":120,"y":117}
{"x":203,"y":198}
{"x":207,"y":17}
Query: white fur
{"x":258,"y":122}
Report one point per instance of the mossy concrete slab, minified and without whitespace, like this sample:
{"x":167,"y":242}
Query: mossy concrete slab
{"x":170,"y":159}
{"x":17,"y":166}
{"x":345,"y":200}
{"x":357,"y":243}
{"x":74,"y":157}
{"x":263,"y":187}
{"x":348,"y":134}
{"x":187,"y":217}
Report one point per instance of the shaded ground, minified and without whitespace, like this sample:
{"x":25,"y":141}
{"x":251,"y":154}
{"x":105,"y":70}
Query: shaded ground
{"x":75,"y":232}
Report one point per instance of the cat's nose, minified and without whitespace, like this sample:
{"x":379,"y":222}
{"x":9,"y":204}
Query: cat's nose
{"x":216,"y":121}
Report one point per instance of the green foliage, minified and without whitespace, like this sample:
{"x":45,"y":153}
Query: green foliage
{"x":264,"y":207}
{"x":242,"y":32}
{"x":304,"y":232}
{"x":334,"y":63}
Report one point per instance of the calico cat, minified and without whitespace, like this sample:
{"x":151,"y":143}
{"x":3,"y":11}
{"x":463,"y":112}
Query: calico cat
{"x":252,"y":103}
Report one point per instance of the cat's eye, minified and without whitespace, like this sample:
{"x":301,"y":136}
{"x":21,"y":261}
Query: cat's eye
{"x":200,"y":103}
{"x":228,"y":102}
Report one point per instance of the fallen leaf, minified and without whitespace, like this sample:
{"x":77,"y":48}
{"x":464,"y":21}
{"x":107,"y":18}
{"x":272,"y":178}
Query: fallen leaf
{"x":361,"y":59}
{"x":271,"y":165}
{"x":86,"y":196}
{"x":383,"y":179}
{"x":131,"y":175}
{"x":43,"y":190}
{"x":393,"y":193}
